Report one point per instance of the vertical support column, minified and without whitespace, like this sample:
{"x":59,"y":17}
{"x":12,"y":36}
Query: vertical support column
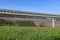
{"x":53,"y":23}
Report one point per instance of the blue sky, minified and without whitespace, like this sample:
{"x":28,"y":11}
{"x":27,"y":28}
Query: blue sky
{"x":47,"y":6}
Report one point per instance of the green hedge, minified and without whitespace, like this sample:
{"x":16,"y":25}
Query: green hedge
{"x":25,"y":23}
{"x":29,"y":33}
{"x":4,"y":22}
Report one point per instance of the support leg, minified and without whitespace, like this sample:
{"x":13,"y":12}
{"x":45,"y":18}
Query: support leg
{"x":53,"y":25}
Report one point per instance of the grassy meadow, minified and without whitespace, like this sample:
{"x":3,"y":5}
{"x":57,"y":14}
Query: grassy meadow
{"x":29,"y":33}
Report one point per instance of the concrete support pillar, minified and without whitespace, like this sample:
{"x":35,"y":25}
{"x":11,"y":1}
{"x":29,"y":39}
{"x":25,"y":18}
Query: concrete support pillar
{"x":53,"y":23}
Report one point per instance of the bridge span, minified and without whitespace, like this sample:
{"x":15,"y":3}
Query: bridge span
{"x":22,"y":15}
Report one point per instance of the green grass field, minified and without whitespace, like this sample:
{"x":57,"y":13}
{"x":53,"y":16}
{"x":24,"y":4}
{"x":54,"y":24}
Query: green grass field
{"x":29,"y":33}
